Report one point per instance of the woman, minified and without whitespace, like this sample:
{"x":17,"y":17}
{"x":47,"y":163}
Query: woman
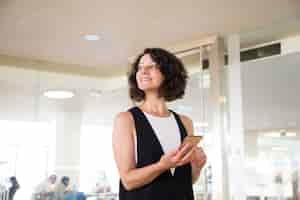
{"x":146,"y":139}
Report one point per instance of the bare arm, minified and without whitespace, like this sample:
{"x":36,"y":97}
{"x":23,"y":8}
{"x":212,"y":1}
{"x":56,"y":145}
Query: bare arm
{"x":198,"y":153}
{"x":123,"y":147}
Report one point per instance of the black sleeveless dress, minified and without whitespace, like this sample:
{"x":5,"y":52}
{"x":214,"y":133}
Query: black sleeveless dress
{"x":149,"y":150}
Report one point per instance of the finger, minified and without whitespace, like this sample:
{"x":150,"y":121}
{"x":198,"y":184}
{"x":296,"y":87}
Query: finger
{"x":201,"y":160}
{"x":171,"y":156}
{"x":184,"y":150}
{"x":200,"y":153}
{"x":199,"y":163}
{"x":201,"y":150}
{"x":188,"y":155}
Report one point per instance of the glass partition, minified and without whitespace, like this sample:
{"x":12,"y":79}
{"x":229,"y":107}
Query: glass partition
{"x":271,"y":113}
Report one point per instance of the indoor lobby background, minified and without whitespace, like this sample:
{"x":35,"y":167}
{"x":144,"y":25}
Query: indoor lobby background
{"x":242,"y":95}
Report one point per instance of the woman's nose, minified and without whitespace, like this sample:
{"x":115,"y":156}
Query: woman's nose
{"x":144,"y":70}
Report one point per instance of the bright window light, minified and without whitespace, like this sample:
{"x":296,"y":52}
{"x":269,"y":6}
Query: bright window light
{"x":100,"y":168}
{"x":24,"y":145}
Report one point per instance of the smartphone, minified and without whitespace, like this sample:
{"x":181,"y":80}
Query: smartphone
{"x":193,"y":140}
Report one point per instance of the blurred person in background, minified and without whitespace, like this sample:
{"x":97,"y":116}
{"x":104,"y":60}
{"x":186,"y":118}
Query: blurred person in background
{"x":45,"y":190}
{"x":295,"y":184}
{"x":62,"y":189}
{"x":13,"y":188}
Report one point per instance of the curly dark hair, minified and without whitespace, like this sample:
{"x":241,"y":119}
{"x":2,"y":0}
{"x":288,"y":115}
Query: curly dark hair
{"x":175,"y":75}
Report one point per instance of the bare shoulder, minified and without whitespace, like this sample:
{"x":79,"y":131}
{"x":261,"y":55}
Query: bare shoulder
{"x":186,"y":119}
{"x":188,"y":124}
{"x":124,"y":122}
{"x":124,"y":116}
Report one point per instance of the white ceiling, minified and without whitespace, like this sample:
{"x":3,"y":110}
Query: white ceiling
{"x":51,"y":30}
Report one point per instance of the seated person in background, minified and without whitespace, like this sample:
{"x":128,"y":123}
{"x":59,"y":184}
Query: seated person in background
{"x":101,"y":188}
{"x":62,"y":189}
{"x":45,"y":190}
{"x":13,"y":188}
{"x":102,"y":185}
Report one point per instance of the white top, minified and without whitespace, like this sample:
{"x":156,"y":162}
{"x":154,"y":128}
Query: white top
{"x":166,"y":130}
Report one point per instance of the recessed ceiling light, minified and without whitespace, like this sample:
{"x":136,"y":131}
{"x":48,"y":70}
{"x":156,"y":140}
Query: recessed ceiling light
{"x":58,"y":94}
{"x":91,"y":37}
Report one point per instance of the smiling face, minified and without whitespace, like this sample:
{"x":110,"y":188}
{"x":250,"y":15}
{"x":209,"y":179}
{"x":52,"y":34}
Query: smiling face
{"x":148,"y":76}
{"x":157,"y":72}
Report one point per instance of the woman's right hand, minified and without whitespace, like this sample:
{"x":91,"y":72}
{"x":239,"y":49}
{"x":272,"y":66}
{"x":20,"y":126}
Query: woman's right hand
{"x":176,"y":158}
{"x":168,"y":160}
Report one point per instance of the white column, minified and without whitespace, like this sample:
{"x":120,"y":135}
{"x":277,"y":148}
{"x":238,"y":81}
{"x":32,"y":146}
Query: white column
{"x":217,"y":124}
{"x":68,"y":125}
{"x":236,"y":128}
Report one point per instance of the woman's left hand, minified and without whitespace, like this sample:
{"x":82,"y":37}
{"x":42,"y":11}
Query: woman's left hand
{"x":198,"y":158}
